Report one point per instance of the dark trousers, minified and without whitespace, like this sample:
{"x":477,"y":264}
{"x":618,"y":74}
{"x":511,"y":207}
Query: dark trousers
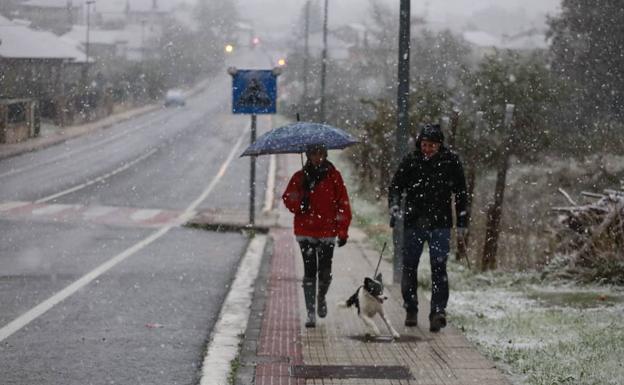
{"x":439,"y":246}
{"x":317,"y":260}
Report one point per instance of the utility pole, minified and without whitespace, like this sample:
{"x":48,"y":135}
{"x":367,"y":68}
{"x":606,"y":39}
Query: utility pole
{"x":403,"y":80}
{"x":495,"y":210}
{"x":86,"y":68}
{"x":324,"y":64}
{"x":402,"y":124}
{"x":306,"y":53}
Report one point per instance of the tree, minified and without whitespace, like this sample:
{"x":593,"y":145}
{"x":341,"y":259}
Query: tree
{"x":506,"y":77}
{"x":217,"y":24}
{"x":439,"y":58}
{"x":502,"y":79}
{"x":587,"y":45}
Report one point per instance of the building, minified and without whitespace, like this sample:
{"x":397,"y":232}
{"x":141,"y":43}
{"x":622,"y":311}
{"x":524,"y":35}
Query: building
{"x":41,"y":66}
{"x":52,"y":15}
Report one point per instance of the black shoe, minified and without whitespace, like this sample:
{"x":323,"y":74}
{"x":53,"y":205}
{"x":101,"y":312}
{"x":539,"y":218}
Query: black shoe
{"x":436,"y":322}
{"x":311,"y":321}
{"x":411,"y":319}
{"x":322,"y":307}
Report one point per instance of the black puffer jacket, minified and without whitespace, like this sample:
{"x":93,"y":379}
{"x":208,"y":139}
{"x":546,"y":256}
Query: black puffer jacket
{"x":429,"y":184}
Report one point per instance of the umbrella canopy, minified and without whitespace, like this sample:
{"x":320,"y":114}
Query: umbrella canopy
{"x":294,"y":138}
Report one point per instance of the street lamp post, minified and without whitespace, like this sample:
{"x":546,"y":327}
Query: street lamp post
{"x":324,"y":64}
{"x":402,"y":126}
{"x":306,"y":50}
{"x":86,"y":70}
{"x":143,"y":21}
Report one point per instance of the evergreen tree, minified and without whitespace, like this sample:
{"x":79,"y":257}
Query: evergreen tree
{"x":587,"y":45}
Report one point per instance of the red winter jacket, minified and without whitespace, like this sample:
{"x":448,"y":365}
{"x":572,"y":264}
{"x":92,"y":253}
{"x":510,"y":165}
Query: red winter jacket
{"x":329,"y":213}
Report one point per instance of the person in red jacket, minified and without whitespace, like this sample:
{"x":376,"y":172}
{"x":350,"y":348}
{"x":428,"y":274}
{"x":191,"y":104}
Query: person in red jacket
{"x":318,"y":198}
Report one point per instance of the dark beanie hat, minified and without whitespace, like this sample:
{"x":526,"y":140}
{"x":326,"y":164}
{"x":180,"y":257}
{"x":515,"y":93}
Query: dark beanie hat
{"x":432,"y":132}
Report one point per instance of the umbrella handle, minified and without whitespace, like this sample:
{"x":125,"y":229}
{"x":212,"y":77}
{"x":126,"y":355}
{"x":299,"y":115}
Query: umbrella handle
{"x":301,"y":153}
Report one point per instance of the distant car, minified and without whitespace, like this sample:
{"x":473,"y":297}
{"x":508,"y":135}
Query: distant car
{"x":175,"y":98}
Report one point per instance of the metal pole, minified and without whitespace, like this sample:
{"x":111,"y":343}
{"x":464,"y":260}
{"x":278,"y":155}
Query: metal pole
{"x":306,"y":53}
{"x":143,"y":21}
{"x":86,"y":70}
{"x":252,"y":175}
{"x":324,"y":64}
{"x":402,"y":127}
{"x":403,"y":81}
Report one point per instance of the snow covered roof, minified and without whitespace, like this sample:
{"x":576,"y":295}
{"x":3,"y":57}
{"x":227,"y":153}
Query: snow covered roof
{"x":134,"y":35}
{"x":50,"y":3}
{"x":119,"y":6}
{"x":78,"y":33}
{"x":20,"y":42}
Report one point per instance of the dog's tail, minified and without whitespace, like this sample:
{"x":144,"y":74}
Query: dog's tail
{"x":350,"y":302}
{"x":342,"y":304}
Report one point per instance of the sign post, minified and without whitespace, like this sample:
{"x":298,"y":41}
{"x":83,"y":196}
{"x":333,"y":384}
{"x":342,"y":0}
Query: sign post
{"x":253,"y":92}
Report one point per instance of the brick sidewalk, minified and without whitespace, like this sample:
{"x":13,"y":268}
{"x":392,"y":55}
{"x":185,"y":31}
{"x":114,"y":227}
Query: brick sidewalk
{"x":336,"y":352}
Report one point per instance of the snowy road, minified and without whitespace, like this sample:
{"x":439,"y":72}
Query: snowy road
{"x":93,"y":288}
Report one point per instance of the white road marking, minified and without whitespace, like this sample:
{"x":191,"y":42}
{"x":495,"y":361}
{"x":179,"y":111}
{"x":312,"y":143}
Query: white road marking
{"x":98,"y":179}
{"x":69,"y":154}
{"x":13,"y":205}
{"x":49,"y":303}
{"x":144,"y":214}
{"x":269,"y":195}
{"x":51,"y":209}
{"x":224,"y":342}
{"x":98,"y":211}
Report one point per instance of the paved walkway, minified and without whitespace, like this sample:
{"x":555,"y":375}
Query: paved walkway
{"x":278,"y":349}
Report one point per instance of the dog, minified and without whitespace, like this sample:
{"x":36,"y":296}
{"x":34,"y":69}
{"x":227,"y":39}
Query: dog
{"x":368,"y":299}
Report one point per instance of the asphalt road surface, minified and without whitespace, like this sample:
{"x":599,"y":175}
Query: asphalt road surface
{"x":98,"y":282}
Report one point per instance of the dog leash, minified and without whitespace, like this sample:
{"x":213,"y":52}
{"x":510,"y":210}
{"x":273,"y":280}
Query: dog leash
{"x":378,"y":263}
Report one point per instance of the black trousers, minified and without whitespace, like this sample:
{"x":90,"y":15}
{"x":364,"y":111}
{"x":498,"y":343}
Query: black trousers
{"x":317,"y":260}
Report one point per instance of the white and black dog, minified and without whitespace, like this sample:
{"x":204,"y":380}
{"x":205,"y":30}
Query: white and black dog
{"x":369,"y":299}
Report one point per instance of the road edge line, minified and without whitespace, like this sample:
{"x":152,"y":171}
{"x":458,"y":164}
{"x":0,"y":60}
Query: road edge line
{"x":269,"y":195}
{"x":224,"y":342}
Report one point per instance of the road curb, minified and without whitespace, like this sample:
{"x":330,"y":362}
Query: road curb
{"x":225,"y":340}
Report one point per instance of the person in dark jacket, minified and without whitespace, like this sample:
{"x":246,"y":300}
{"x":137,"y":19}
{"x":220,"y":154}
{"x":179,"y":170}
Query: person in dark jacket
{"x":318,"y":198}
{"x":427,"y":178}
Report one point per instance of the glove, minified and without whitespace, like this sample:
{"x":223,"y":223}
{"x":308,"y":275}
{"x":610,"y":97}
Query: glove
{"x":461,"y":234}
{"x":342,"y":242}
{"x":305,"y":203}
{"x":394,"y":212}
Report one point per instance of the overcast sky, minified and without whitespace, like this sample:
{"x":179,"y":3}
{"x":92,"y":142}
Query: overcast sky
{"x":276,"y":14}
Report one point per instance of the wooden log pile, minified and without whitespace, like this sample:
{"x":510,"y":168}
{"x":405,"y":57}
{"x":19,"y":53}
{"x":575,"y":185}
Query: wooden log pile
{"x":591,"y":236}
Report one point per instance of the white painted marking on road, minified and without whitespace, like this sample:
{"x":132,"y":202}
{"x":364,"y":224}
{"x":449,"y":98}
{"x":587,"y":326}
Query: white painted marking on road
{"x":144,"y":214}
{"x":49,"y":303}
{"x":51,"y":209}
{"x":98,"y":211}
{"x":269,"y":195}
{"x":190,"y":211}
{"x":224,"y":343}
{"x":98,"y":179}
{"x":8,"y":206}
{"x":69,"y":154}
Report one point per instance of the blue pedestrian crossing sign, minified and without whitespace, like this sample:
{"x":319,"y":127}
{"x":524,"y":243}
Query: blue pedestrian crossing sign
{"x":254,"y":92}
